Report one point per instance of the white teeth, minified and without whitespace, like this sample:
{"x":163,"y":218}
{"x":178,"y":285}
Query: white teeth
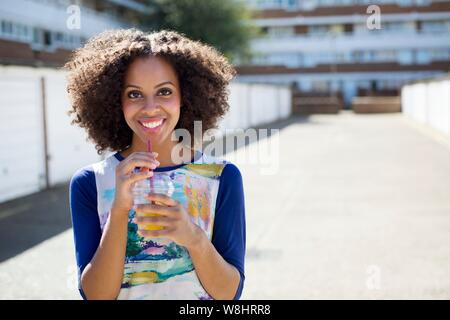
{"x":152,"y":124}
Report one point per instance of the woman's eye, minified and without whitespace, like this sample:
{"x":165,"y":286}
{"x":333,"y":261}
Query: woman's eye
{"x":134,"y":94}
{"x":165,"y":92}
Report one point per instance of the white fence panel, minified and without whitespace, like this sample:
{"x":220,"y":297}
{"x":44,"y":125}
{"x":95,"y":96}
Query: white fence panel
{"x":446,"y":103}
{"x":67,"y":146}
{"x":420,"y":102}
{"x":256,"y":104}
{"x":406,"y":98}
{"x":285,"y":102}
{"x":22,"y":166}
{"x":271,"y":109}
{"x":428,"y":102}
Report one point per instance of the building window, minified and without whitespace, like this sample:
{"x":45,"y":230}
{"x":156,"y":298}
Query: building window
{"x":318,"y":29}
{"x":7,"y":27}
{"x":47,"y":38}
{"x":348,"y":28}
{"x":384,"y":55}
{"x":272,"y":4}
{"x":423,"y":56}
{"x":336,"y":29}
{"x":37,"y":36}
{"x":435,"y":26}
{"x":281,"y":31}
{"x":440,"y":54}
{"x":321,"y":86}
{"x":59,"y":37}
{"x":357,"y":56}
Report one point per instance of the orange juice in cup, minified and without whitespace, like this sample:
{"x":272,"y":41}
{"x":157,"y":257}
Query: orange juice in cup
{"x":159,"y":183}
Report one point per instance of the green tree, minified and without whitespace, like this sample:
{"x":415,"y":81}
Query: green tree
{"x":223,"y":24}
{"x":133,"y":240}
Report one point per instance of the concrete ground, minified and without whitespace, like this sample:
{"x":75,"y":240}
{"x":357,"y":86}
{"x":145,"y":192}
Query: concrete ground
{"x":358,"y":208}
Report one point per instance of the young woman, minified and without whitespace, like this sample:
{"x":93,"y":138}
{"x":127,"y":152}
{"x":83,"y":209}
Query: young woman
{"x":127,"y":87}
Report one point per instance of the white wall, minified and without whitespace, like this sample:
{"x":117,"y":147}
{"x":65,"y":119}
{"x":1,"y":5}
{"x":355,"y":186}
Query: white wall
{"x":21,"y":152}
{"x":256,"y":104}
{"x":67,"y":145}
{"x":22,"y":157}
{"x":428,"y":102}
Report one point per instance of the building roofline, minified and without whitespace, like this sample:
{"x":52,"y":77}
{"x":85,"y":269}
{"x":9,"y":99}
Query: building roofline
{"x":134,"y":5}
{"x":349,"y":10}
{"x":343,"y":67}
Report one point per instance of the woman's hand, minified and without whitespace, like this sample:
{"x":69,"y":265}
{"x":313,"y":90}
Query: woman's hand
{"x":126,"y":177}
{"x":177,"y":224}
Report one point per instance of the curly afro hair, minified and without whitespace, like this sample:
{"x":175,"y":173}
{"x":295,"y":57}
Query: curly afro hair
{"x":97,"y":70}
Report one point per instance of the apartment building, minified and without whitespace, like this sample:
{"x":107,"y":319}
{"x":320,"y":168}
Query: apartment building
{"x":350,"y":47}
{"x":43,"y":32}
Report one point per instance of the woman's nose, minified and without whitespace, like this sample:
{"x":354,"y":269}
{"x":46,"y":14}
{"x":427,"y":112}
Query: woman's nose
{"x":151,"y":104}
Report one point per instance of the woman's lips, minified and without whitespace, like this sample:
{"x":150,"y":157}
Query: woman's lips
{"x":152,"y":129}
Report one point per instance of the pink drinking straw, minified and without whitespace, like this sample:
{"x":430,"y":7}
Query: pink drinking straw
{"x":150,"y":149}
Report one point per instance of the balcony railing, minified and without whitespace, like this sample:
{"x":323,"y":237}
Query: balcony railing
{"x":358,"y":33}
{"x":347,"y":42}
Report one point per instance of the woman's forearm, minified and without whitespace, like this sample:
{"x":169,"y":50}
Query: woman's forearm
{"x":102,"y":277}
{"x":218,"y":277}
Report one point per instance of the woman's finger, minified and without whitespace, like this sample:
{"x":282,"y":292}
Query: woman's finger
{"x":155,"y":220}
{"x":152,"y":154}
{"x":132,"y":164}
{"x":142,"y":209}
{"x":136,"y":176}
{"x":166,"y":200}
{"x":141,"y":156}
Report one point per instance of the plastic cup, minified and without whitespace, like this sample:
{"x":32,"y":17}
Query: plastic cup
{"x":160,"y":183}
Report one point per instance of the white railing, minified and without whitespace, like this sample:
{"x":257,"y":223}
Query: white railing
{"x":344,"y":44}
{"x":358,"y":33}
{"x":428,"y":102}
{"x":22,"y":100}
{"x":311,"y":4}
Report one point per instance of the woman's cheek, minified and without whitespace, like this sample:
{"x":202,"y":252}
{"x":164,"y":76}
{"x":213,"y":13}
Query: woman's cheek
{"x":175,"y":111}
{"x":128,"y":109}
{"x":175,"y":103}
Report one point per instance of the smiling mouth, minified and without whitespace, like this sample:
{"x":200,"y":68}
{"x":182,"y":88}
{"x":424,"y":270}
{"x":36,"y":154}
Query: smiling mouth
{"x":152,"y":126}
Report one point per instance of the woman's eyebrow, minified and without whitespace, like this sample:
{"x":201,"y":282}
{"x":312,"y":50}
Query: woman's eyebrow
{"x":159,"y":85}
{"x":163,"y":83}
{"x":132,"y":85}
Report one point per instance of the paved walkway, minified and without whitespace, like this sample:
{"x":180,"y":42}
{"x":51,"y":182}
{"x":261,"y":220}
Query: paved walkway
{"x":359,"y":208}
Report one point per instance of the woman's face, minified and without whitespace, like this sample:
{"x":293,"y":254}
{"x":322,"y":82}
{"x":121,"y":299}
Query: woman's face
{"x":151,"y":99}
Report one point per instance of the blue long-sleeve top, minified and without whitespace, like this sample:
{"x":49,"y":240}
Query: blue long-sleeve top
{"x":224,"y":190}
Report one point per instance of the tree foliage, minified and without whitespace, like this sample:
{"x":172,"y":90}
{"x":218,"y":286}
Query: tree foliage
{"x":224,"y":24}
